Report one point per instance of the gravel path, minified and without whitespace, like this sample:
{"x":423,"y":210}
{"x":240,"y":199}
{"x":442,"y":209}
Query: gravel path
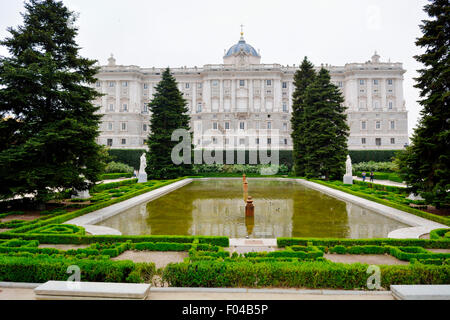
{"x":160,"y":258}
{"x":372,"y":259}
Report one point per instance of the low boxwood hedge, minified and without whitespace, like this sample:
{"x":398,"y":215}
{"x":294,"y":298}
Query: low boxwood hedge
{"x":440,"y":234}
{"x":112,"y":176}
{"x":26,"y":269}
{"x":297,"y":275}
{"x":425,"y":243}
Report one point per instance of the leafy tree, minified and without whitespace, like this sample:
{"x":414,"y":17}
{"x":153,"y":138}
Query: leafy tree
{"x":326,"y":129}
{"x":169,"y":113}
{"x":302,"y":79}
{"x":425,"y":164}
{"x":48,"y":125}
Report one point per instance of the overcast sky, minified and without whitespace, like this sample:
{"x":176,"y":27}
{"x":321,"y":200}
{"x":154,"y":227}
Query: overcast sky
{"x":178,"y":33}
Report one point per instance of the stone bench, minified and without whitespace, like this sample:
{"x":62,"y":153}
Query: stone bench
{"x":421,"y":292}
{"x":65,"y":290}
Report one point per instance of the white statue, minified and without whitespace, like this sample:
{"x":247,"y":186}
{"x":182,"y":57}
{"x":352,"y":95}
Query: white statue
{"x":348,"y":178}
{"x":348,"y":166}
{"x":142,"y":178}
{"x":143,"y":163}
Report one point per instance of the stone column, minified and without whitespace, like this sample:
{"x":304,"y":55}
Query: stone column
{"x":194,"y":98}
{"x":383,"y":94}
{"x":250,"y":95}
{"x":233,"y":95}
{"x":221,"y":108}
{"x":118,"y":107}
{"x":263,"y":89}
{"x":369,"y":94}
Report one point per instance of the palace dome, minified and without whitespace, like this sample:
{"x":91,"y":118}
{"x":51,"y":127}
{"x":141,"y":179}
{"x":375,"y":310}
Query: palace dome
{"x":242,"y":46}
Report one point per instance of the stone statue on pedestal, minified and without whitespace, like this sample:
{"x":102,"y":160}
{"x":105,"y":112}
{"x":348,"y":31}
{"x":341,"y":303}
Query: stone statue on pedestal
{"x":142,"y":178}
{"x":348,"y":178}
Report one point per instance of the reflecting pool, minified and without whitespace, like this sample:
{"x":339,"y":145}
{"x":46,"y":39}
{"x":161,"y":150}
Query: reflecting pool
{"x":282,"y":209}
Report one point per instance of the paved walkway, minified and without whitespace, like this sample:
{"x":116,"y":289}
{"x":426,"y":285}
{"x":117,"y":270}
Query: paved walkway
{"x":383,"y":182}
{"x":230,"y":294}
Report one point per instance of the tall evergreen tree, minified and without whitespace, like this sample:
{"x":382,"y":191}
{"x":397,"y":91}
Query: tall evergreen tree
{"x":302,"y":79}
{"x":169,"y":113}
{"x":48,"y":125}
{"x":326,"y":129}
{"x":425,"y":165}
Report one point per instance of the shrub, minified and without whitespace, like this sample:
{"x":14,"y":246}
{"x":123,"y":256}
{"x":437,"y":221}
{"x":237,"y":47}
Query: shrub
{"x":117,"y":167}
{"x":128,"y":157}
{"x":296,"y":275}
{"x":440,"y":234}
{"x":375,"y":166}
{"x":112,"y":176}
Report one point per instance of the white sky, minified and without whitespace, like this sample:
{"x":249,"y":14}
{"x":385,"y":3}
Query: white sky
{"x":191,"y":33}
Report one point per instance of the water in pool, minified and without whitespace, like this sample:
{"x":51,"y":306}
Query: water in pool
{"x":282,"y":209}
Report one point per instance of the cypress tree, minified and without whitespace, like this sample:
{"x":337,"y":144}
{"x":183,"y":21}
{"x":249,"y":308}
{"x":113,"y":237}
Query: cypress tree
{"x":302,"y":79}
{"x":425,"y":164}
{"x":326,"y":129}
{"x":169,"y":113}
{"x":48,"y":125}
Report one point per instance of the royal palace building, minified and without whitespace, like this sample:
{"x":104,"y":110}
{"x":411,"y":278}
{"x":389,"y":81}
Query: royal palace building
{"x":243,"y":94}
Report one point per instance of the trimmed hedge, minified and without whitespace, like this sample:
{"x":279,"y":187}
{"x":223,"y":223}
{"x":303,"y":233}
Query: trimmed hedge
{"x":359,"y":156}
{"x":297,"y":275}
{"x":112,"y":176}
{"x":440,"y":234}
{"x":131,"y":157}
{"x":74,"y":239}
{"x":40,"y":270}
{"x":432,"y":244}
{"x":60,"y":229}
{"x":161,"y":246}
{"x":422,"y":214}
{"x":381,"y":187}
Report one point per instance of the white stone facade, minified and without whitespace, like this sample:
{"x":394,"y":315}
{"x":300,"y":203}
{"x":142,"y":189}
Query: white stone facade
{"x":244,"y":94}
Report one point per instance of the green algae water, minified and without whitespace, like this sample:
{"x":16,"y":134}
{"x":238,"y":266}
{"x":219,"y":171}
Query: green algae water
{"x":282,"y":209}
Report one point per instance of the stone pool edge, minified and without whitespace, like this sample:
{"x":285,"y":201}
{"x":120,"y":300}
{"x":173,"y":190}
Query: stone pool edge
{"x":89,"y":220}
{"x":419,"y":226}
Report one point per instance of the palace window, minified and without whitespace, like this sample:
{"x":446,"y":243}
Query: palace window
{"x":124,"y":141}
{"x":199,"y":108}
{"x":124,"y":126}
{"x":390,"y":82}
{"x":125,"y":84}
{"x":227,"y":126}
{"x":284,"y":85}
{"x":109,"y":142}
{"x":269,"y":141}
{"x":362,"y":82}
{"x":257,"y":141}
{"x":392,"y":140}
{"x":111,"y":84}
{"x":215,"y":125}
{"x":98,"y":84}
{"x":269,"y":125}
{"x":145,"y":108}
{"x":144,"y":127}
{"x":391,"y":105}
{"x":242,"y":125}
{"x":285,"y":107}
{"x":111,"y":107}
{"x":269,"y":83}
{"x":125,"y":107}
{"x":363,"y":125}
{"x":378,"y":142}
{"x":363,"y":141}
{"x":378,"y":125}
{"x":215,"y":83}
{"x":242,"y":83}
{"x":187,"y":85}
{"x":110,"y":126}
{"x":285,"y":142}
{"x":340,"y":84}
{"x":392,"y":125}
{"x":145,"y":86}
{"x":285,"y":127}
{"x":257,"y":125}
{"x":375,"y":82}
